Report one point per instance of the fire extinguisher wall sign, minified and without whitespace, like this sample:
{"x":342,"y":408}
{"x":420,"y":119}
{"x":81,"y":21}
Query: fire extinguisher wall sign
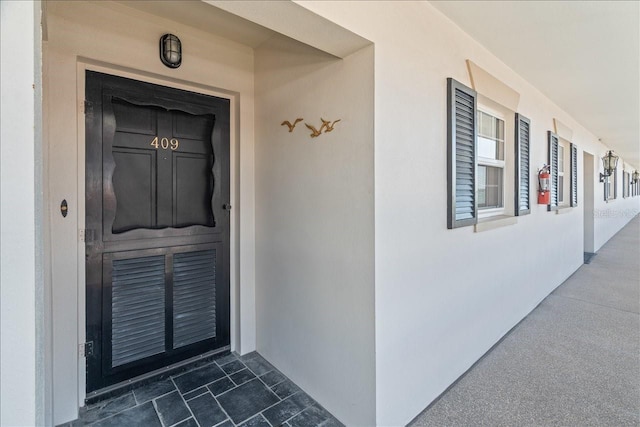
{"x":544,"y":195}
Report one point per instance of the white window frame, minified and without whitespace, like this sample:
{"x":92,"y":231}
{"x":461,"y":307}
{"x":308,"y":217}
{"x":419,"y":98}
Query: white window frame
{"x":484,"y":161}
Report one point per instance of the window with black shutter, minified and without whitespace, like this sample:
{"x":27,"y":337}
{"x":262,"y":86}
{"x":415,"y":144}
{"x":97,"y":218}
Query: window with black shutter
{"x":484,"y":183}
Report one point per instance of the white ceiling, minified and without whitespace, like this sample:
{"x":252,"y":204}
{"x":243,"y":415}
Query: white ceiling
{"x":202,"y":16}
{"x":253,"y":22}
{"x":583,"y":55}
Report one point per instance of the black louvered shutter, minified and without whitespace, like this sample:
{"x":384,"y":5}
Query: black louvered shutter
{"x":553,"y":167}
{"x":522,"y":175}
{"x":574,"y":175}
{"x":461,"y":155}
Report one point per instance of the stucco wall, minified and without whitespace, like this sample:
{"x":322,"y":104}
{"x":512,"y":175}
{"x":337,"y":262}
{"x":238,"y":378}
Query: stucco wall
{"x":444,"y":297}
{"x":314,"y":224}
{"x":118,"y":40}
{"x":433,"y":318}
{"x":611,"y":216}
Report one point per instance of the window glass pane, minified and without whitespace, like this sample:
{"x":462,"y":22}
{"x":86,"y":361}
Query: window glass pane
{"x":560,"y":188}
{"x":560,"y":158}
{"x":485,"y":124}
{"x":490,"y":137}
{"x":499,"y":129}
{"x":482,"y":184}
{"x":489,"y":187}
{"x":487,"y":148}
{"x":500,"y":150}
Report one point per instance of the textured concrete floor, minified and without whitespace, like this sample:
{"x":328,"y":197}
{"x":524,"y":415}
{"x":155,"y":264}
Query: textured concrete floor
{"x":574,"y":361}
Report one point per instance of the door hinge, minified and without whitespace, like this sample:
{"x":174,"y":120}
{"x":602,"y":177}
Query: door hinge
{"x":87,"y":107}
{"x":86,"y":235}
{"x":86,"y":349}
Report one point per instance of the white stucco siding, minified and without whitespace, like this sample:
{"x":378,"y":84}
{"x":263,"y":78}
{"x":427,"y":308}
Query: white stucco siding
{"x":363,"y":296}
{"x":314,"y":224}
{"x":611,"y":216}
{"x":21,"y":290}
{"x":444,"y":297}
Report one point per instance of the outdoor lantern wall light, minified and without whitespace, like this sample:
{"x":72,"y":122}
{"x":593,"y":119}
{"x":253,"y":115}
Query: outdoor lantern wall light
{"x":170,"y":51}
{"x":636,"y":177}
{"x":610,"y":162}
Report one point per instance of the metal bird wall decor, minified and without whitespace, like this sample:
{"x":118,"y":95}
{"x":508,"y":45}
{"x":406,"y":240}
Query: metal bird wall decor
{"x":327,"y":126}
{"x":289,"y":125}
{"x":314,"y":132}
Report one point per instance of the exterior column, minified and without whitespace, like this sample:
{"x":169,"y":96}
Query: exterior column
{"x":22,"y":389}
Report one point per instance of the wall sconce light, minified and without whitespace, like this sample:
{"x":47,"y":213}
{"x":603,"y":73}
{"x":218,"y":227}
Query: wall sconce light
{"x":636,"y":177}
{"x":170,"y":51}
{"x":610,"y":163}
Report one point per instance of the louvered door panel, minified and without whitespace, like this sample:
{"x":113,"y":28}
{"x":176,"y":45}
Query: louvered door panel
{"x":137,"y":309}
{"x":194,"y":297}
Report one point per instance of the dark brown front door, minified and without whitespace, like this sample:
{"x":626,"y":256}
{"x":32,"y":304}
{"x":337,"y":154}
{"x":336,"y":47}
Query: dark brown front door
{"x":157,"y":227}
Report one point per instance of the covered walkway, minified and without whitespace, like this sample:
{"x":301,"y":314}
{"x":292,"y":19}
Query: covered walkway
{"x":574,"y":361}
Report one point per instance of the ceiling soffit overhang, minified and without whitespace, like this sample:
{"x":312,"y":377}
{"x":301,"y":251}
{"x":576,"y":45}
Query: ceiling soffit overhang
{"x":251,"y":23}
{"x":296,"y":22}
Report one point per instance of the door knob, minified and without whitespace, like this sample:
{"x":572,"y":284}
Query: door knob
{"x":226,"y":207}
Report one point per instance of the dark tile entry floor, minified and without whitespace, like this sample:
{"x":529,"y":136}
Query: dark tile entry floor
{"x":231,"y":391}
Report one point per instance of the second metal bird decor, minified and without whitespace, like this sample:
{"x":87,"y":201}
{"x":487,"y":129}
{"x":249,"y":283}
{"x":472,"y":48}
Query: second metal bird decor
{"x":314,"y":132}
{"x":327,"y":126}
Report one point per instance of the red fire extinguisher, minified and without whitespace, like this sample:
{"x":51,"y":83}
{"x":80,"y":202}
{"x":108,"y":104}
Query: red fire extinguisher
{"x":544,"y":197}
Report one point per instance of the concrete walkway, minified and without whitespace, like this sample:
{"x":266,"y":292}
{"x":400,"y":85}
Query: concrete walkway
{"x":574,"y":361}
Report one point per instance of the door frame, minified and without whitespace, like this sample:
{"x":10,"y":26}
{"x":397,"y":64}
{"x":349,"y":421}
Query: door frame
{"x":84,"y":65}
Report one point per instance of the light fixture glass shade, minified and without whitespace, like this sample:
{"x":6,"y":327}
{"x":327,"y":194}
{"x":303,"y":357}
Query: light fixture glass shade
{"x":170,"y":51}
{"x":610,"y":162}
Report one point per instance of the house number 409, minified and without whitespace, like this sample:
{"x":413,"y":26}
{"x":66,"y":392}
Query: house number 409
{"x":165,"y":143}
